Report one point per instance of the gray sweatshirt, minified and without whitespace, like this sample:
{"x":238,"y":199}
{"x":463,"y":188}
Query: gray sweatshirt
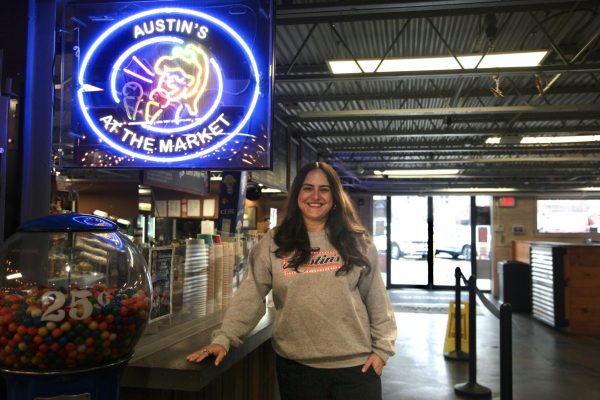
{"x":321,"y":320}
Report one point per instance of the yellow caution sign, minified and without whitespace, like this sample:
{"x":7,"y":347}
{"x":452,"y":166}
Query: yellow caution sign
{"x":451,"y":328}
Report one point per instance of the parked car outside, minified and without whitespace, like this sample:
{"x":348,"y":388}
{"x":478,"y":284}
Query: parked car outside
{"x":454,"y":241}
{"x":401,"y":248}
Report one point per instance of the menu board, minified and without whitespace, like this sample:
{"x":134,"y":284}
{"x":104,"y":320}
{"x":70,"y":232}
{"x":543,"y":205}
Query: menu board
{"x":160,"y":208}
{"x":174,"y":208}
{"x":209,"y":208}
{"x":194,"y":182}
{"x":193,"y":207}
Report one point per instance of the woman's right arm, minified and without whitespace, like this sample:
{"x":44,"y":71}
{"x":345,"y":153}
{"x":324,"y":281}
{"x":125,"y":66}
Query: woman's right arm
{"x":247,"y":306}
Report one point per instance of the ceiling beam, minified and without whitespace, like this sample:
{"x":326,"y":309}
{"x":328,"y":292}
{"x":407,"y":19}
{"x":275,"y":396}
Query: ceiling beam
{"x":483,"y":181}
{"x":461,"y":73}
{"x":484,"y":160}
{"x":440,"y":147}
{"x":446,"y":133}
{"x":348,"y":10}
{"x":591,"y":110}
{"x":442,"y":150}
{"x":539,"y":188}
{"x":507,"y":170}
{"x":441,"y":94}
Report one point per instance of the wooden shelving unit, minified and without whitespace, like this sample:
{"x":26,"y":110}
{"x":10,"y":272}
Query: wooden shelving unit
{"x":565,"y":286}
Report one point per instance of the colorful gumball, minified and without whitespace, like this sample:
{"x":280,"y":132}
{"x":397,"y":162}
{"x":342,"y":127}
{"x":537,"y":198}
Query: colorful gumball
{"x":46,"y":329}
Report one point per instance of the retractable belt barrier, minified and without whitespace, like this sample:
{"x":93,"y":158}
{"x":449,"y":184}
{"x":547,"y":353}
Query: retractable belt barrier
{"x":471,"y":388}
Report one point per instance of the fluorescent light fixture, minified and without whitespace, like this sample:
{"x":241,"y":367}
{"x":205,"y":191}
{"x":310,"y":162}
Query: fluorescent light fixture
{"x":123,"y":222}
{"x":416,"y":172}
{"x":491,"y":60}
{"x":144,"y":191}
{"x":590,"y":189}
{"x":493,"y":140}
{"x":477,"y":190}
{"x":559,"y":139}
{"x":512,"y":60}
{"x":270,"y":190}
{"x":216,"y":176}
{"x":14,"y":276}
{"x":100,"y":213}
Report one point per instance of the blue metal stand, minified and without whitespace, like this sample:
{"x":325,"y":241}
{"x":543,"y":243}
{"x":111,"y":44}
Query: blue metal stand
{"x":96,"y":384}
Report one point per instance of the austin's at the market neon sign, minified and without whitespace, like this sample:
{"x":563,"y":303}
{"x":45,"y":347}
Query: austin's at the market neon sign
{"x":162,"y":100}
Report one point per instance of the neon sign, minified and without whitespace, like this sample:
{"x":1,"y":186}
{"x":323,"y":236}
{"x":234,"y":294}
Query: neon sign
{"x":176,"y":88}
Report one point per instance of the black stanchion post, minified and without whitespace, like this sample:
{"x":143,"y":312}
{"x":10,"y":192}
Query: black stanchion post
{"x":506,"y":352}
{"x":457,"y":354}
{"x":472,"y":388}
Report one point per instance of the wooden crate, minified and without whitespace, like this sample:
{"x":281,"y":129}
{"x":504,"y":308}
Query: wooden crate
{"x":582,"y":289}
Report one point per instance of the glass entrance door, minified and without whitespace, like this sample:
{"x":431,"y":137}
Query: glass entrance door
{"x":451,"y":238}
{"x":428,"y":238}
{"x":409,"y":241}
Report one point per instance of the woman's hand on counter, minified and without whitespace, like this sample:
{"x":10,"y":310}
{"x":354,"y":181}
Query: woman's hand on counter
{"x":211,"y":350}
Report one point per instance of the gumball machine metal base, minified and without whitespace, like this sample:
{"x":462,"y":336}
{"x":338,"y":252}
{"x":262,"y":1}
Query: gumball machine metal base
{"x":93,"y":384}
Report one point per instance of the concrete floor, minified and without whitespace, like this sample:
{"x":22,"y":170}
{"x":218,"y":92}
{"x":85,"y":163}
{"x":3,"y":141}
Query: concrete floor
{"x":547,"y":364}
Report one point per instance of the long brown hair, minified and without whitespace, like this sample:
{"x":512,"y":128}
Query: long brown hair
{"x":345,"y":232}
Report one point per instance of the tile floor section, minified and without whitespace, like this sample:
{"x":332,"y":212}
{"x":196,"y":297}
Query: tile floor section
{"x":547,"y":364}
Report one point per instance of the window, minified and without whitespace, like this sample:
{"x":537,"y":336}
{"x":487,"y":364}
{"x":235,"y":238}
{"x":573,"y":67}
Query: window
{"x":568,"y":216}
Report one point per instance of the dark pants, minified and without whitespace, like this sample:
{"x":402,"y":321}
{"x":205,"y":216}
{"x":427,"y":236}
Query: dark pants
{"x":299,"y":382}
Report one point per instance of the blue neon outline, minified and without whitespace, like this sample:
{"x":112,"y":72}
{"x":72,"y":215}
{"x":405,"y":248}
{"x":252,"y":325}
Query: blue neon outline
{"x":86,"y":220}
{"x":112,"y":239}
{"x":167,"y":10}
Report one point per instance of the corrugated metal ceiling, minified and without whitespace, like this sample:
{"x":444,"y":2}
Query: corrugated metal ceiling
{"x":442,"y":119}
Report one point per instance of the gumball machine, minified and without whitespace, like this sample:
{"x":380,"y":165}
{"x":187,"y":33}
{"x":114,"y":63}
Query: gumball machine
{"x":74,"y":300}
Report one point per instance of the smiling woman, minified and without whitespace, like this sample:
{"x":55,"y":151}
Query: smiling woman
{"x":335,"y":325}
{"x":315,"y":200}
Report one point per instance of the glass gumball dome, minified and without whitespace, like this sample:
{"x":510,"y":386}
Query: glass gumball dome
{"x":74,"y":294}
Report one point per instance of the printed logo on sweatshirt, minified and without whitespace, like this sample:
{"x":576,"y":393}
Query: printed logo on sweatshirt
{"x":320,"y":261}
